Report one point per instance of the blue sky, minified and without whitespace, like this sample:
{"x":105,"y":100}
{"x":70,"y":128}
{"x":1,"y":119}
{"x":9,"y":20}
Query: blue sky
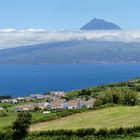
{"x":67,"y":14}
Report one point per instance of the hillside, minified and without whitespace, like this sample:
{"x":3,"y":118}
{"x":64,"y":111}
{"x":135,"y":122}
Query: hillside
{"x":105,"y":118}
{"x":115,"y":115}
{"x":73,"y":52}
{"x":100,"y":24}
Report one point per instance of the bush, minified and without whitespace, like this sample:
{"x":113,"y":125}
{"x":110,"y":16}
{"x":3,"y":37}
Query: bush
{"x":3,"y":113}
{"x":98,"y":102}
{"x":21,"y":125}
{"x":116,"y":95}
{"x":36,"y":109}
{"x":6,"y":134}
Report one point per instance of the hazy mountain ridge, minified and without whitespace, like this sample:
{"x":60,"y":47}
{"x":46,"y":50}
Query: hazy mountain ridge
{"x":75,"y":51}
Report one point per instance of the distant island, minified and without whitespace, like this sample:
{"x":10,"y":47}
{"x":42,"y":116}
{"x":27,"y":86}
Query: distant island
{"x":100,"y":24}
{"x":85,"y":50}
{"x":73,"y":52}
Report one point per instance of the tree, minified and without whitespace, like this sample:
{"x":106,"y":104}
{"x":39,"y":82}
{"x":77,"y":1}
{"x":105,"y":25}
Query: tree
{"x":21,"y":125}
{"x":105,"y":97}
{"x":98,"y":102}
{"x":85,"y":92}
{"x":6,"y":106}
{"x":3,"y":113}
{"x":36,"y":109}
{"x":131,"y":98}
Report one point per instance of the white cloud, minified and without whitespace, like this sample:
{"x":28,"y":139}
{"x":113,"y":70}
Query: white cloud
{"x":13,"y":38}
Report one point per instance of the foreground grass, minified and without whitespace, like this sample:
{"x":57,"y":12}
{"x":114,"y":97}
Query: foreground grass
{"x":8,"y":120}
{"x":111,"y":117}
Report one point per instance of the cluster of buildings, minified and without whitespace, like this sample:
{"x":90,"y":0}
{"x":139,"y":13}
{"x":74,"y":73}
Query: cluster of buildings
{"x":57,"y":104}
{"x":53,"y":100}
{"x":23,"y":99}
{"x":55,"y":94}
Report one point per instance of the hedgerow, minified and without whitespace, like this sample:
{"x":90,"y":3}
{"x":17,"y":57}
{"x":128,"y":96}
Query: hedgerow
{"x":85,"y":134}
{"x":90,"y":132}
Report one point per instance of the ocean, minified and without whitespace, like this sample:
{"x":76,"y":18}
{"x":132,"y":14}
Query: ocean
{"x":23,"y":80}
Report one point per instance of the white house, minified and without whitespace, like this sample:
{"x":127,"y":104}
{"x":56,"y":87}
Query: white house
{"x":46,"y":112}
{"x":88,"y":103}
{"x":56,"y":105}
{"x":43,"y":105}
{"x":5,"y":101}
{"x":14,"y":101}
{"x":58,"y":93}
{"x":73,"y":104}
{"x":37,"y":96}
{"x":1,"y":108}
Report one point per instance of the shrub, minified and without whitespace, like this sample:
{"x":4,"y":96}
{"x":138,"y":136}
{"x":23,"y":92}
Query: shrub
{"x":98,"y":102}
{"x":3,"y":113}
{"x":6,"y":134}
{"x":36,"y":109}
{"x":21,"y":125}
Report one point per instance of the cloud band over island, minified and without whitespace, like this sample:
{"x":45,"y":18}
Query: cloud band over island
{"x":14,"y":38}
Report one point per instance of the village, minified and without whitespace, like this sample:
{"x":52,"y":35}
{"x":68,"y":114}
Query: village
{"x":47,"y":102}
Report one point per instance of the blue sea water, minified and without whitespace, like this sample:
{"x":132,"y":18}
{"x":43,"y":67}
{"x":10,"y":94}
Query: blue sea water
{"x":22,"y":80}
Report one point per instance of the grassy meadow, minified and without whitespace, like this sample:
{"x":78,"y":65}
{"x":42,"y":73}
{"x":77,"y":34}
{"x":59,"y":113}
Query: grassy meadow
{"x":112,"y":117}
{"x":8,"y":120}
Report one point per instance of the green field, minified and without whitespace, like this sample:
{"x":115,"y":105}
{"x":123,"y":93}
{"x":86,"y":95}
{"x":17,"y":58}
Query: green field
{"x":8,"y":120}
{"x":104,"y":118}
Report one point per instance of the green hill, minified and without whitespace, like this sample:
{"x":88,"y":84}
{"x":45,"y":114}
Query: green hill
{"x":111,"y":117}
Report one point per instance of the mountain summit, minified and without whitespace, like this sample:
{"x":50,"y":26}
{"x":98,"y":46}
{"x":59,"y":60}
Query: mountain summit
{"x":100,"y":24}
